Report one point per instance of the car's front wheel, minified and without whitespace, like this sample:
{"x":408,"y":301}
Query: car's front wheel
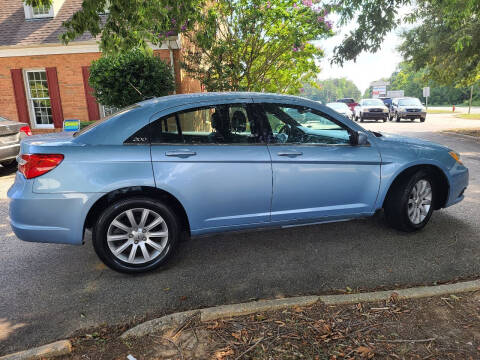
{"x":409,"y":204}
{"x":135,"y":235}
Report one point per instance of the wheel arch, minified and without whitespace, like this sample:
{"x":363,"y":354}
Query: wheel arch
{"x":441,"y":182}
{"x":131,"y":191}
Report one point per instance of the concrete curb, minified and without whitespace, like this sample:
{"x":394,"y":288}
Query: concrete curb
{"x":227,"y":311}
{"x":58,"y":348}
{"x":64,"y":347}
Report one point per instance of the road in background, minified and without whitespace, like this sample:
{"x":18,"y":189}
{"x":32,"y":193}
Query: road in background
{"x":49,"y":291}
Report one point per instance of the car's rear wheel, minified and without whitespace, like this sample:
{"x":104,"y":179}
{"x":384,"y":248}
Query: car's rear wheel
{"x":409,"y":204}
{"x":136,"y":235}
{"x":422,"y":119}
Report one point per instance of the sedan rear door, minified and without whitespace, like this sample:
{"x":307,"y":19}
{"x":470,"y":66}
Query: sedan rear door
{"x":213,"y":160}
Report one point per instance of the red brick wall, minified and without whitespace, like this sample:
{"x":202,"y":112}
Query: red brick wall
{"x":69,"y":70}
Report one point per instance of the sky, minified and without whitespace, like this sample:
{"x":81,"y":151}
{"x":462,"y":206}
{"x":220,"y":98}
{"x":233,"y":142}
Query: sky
{"x":368,"y":67}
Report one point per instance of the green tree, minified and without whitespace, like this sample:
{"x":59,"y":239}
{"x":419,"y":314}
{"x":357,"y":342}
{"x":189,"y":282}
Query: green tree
{"x":256,"y":45}
{"x":126,"y":24}
{"x":446,"y":44}
{"x":412,"y":82}
{"x":237,"y":44}
{"x":124,"y":79}
{"x":330,"y":90}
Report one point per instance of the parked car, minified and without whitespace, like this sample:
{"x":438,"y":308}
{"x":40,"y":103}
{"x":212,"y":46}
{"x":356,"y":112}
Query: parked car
{"x":387,"y":101}
{"x":371,"y":109}
{"x":342,"y":109}
{"x":214,"y":162}
{"x":351,"y":103}
{"x":407,"y":108}
{"x":11,"y":133}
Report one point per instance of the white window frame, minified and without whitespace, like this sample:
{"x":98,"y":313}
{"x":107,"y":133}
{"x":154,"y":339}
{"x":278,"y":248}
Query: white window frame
{"x":30,"y":15}
{"x":31,"y":109}
{"x":102,"y":111}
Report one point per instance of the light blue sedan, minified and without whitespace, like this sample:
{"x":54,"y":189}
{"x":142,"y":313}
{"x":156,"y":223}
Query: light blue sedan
{"x":215,"y":162}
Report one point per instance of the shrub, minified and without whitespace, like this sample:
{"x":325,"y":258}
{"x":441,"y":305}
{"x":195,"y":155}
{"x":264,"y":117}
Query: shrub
{"x":130,"y":77}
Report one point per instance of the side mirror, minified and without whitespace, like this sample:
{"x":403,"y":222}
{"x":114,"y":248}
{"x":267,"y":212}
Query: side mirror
{"x":359,"y":138}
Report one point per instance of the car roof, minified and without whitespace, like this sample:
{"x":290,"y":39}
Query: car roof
{"x":173,"y":100}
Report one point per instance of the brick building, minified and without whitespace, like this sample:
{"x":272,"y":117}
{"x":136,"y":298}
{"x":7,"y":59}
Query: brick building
{"x":43,"y":82}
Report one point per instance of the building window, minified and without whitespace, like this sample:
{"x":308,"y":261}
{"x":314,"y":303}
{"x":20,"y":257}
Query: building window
{"x":39,"y":99}
{"x":38,"y":12}
{"x":107,"y":110}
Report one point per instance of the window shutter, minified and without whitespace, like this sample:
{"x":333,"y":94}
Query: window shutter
{"x":20,"y":97}
{"x":55,"y":101}
{"x":92,"y":106}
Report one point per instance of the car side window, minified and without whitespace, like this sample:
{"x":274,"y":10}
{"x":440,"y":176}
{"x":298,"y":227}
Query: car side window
{"x":291,"y":124}
{"x":219,"y":124}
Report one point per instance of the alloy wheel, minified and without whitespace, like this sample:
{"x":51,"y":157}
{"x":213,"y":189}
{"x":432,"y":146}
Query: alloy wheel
{"x":137,"y":236}
{"x":419,"y":201}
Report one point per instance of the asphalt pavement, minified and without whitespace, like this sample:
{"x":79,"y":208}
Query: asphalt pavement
{"x":49,"y":291}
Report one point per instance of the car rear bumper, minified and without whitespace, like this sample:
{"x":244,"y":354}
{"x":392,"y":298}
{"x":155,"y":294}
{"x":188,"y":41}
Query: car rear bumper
{"x":8,"y":152}
{"x":48,"y":218}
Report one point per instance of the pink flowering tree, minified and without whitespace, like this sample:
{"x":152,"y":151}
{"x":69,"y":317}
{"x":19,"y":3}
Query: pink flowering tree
{"x":257,"y":45}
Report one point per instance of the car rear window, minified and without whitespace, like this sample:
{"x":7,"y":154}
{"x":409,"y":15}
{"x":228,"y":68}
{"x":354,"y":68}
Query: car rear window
{"x":98,"y":122}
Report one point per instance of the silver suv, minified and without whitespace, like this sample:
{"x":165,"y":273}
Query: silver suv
{"x":407,"y":108}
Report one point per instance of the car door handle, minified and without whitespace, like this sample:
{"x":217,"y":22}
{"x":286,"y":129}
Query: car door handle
{"x":180,"y":153}
{"x":290,"y":153}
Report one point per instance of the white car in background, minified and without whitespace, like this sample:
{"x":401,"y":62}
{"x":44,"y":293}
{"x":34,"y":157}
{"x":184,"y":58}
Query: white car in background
{"x":371,"y":109}
{"x":342,"y":109}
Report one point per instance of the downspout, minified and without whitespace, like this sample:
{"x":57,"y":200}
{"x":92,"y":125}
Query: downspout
{"x":172,"y":64}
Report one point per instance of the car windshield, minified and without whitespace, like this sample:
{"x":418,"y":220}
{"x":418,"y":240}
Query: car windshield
{"x":373,"y":102}
{"x":409,"y":102}
{"x":96,"y":123}
{"x":338,"y":106}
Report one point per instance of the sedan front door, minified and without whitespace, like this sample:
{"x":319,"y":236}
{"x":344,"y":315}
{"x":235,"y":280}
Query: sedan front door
{"x":317,"y":173}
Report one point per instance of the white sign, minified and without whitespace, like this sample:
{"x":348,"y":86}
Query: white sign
{"x":395,"y":93}
{"x":380,"y":90}
{"x":426,"y":91}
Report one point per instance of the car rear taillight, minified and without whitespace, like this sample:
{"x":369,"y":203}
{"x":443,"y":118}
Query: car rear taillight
{"x":26,"y":130}
{"x":33,"y":165}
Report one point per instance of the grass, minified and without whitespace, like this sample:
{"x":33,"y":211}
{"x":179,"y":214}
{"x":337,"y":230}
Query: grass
{"x":439,"y":111}
{"x":469,"y":116}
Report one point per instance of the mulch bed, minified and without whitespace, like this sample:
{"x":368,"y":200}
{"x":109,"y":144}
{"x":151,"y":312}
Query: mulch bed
{"x":433,"y":328}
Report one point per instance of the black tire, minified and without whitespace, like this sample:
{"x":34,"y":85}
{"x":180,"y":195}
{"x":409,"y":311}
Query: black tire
{"x":422,"y":119}
{"x":99,"y":234}
{"x":361,"y":118}
{"x":10,"y":164}
{"x":397,"y":118}
{"x":396,"y":203}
